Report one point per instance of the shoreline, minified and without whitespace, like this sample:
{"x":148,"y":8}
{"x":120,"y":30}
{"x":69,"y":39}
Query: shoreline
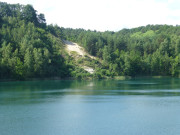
{"x":87,"y":78}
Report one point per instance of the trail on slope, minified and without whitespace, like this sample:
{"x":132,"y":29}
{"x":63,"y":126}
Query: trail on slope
{"x":75,"y":49}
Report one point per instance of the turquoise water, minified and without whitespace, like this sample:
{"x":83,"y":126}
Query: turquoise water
{"x":141,"y":106}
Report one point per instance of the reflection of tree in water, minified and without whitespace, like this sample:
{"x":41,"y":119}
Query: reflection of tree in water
{"x":31,"y":91}
{"x":39,"y":91}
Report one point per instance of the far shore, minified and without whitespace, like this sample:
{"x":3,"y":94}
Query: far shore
{"x":86,"y":78}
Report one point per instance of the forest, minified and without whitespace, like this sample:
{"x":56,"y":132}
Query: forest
{"x":152,"y":50}
{"x":29,"y":48}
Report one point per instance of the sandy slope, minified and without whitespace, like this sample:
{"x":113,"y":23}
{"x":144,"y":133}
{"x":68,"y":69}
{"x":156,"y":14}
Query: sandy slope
{"x":74,"y":47}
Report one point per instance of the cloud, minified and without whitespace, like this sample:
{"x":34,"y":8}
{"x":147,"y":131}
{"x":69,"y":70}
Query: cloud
{"x":106,"y":14}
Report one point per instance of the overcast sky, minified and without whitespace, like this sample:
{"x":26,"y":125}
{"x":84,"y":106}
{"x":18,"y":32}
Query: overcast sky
{"x":105,"y":15}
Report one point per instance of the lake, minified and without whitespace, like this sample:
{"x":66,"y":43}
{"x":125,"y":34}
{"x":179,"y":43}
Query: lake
{"x":141,"y":106}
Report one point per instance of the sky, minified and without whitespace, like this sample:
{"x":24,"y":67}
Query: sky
{"x":102,"y":15}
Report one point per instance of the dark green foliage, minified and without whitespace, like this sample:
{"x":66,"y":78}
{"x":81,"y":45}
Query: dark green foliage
{"x":26,"y":48}
{"x":27,"y":13}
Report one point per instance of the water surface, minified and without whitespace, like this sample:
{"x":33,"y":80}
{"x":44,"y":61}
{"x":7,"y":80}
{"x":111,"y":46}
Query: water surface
{"x":141,"y":106}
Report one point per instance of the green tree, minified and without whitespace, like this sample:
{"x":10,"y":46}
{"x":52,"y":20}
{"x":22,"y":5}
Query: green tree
{"x":29,"y":14}
{"x":28,"y":63}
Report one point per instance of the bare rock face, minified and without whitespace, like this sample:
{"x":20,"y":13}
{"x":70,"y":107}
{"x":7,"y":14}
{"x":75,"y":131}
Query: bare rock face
{"x":78,"y":52}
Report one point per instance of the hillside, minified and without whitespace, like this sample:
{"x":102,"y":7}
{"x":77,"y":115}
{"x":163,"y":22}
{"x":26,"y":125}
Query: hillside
{"x":152,"y":50}
{"x":29,"y":48}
